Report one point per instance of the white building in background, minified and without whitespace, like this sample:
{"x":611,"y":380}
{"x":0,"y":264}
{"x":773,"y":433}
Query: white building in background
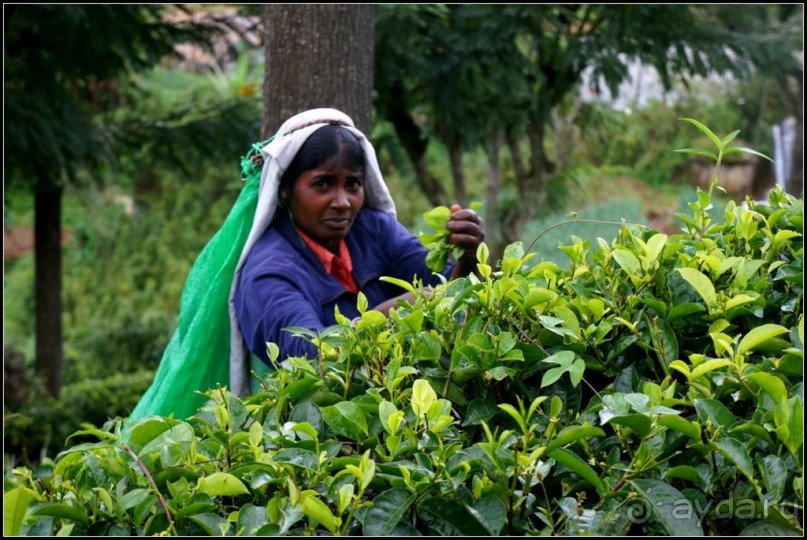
{"x":783,"y":136}
{"x":641,"y":86}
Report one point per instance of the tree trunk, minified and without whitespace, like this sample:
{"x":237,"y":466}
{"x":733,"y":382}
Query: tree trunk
{"x":48,"y":285}
{"x":795,"y":182}
{"x":318,"y":55}
{"x":531,"y":185}
{"x":793,"y":88}
{"x":457,"y":174}
{"x":415,"y":145}
{"x":493,"y":150}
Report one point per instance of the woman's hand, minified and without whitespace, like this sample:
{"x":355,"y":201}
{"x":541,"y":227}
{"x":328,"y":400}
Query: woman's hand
{"x":467,"y":231}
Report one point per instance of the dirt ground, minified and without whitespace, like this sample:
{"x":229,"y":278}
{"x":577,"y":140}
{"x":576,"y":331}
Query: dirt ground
{"x":18,"y":241}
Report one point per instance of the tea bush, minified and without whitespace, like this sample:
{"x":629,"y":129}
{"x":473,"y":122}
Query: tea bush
{"x":654,"y":385}
{"x":41,"y":426}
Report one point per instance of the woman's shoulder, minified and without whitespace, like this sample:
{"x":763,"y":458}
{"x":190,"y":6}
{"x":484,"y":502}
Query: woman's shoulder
{"x":373,"y":219}
{"x":273,"y":253}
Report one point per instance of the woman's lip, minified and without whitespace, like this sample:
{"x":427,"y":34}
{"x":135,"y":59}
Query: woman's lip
{"x":337,"y":223}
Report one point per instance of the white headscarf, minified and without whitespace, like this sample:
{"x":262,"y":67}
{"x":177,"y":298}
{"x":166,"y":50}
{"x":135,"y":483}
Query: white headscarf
{"x":278,"y":155}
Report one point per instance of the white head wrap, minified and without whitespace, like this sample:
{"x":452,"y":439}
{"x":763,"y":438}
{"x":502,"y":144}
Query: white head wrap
{"x":278,"y":155}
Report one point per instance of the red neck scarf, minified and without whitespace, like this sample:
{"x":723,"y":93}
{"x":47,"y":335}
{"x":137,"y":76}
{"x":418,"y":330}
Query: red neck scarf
{"x":340,"y":267}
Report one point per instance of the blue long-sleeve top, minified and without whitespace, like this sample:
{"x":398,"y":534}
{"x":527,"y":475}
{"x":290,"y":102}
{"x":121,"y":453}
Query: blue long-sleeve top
{"x":283,"y":284}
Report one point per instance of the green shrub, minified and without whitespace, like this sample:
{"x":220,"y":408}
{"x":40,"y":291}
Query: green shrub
{"x":40,"y":428}
{"x":654,"y":387}
{"x":122,"y":274}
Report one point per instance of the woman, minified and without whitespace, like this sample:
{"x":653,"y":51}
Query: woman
{"x":318,"y":229}
{"x":325,"y":246}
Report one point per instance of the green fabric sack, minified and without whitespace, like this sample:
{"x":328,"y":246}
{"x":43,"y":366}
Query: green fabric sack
{"x":197,"y":357}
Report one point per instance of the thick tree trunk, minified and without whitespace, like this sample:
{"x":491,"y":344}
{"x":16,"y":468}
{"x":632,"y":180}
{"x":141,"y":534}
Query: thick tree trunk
{"x":48,"y":285}
{"x":318,"y":55}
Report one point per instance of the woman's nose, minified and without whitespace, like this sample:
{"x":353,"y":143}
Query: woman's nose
{"x":340,"y":199}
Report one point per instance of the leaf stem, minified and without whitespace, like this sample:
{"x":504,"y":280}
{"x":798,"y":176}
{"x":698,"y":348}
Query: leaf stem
{"x":145,"y":471}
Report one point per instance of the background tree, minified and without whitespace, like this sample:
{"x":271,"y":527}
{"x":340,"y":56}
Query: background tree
{"x":64,"y":68}
{"x":549,"y":47}
{"x":318,"y":55}
{"x":773,"y":39}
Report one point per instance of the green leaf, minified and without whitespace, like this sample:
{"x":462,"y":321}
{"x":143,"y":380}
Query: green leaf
{"x":710,"y":365}
{"x":299,"y":457}
{"x":683,"y":310}
{"x":715,"y":412}
{"x":346,"y":419}
{"x":212,"y":524}
{"x":569,"y":319}
{"x":708,"y":132}
{"x":198,"y":507}
{"x":479,"y":410}
{"x":627,"y":261}
{"x":767,"y":528}
{"x":250,"y":519}
{"x":437,"y":217}
{"x":702,"y":285}
{"x":739,"y":300}
{"x":423,"y":395}
{"x":405,"y":285}
{"x":317,"y":510}
{"x":385,"y":410}
{"x":572,"y":461}
{"x":15,"y":505}
{"x":567,"y":362}
{"x":737,"y":453}
{"x":685,"y":472}
{"x":133,"y":498}
{"x":783,"y":236}
{"x":664,"y":340}
{"x":491,"y":512}
{"x":180,"y":434}
{"x":62,"y":511}
{"x":681,"y":425}
{"x":774,"y":476}
{"x":145,"y":430}
{"x":759,"y":335}
{"x":387,"y":510}
{"x":221,"y":483}
{"x":513,"y":412}
{"x":698,"y":152}
{"x":730,"y":137}
{"x":754,"y":429}
{"x":538,"y":295}
{"x":771,"y":384}
{"x":639,"y":423}
{"x":655,"y":244}
{"x":789,"y":419}
{"x":448,"y":518}
{"x":666,"y":504}
{"x":744,"y":150}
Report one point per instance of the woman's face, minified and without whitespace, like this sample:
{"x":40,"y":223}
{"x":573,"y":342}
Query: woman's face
{"x":324,"y":202}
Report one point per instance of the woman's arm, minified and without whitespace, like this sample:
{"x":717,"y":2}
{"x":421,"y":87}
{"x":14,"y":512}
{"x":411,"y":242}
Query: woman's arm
{"x":265,"y":307}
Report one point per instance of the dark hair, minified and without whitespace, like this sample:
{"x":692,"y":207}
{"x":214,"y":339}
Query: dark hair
{"x":330,"y":142}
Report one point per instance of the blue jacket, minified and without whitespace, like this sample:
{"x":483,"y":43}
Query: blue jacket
{"x":283,"y":284}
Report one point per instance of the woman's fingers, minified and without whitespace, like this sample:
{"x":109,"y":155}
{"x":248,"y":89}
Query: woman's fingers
{"x":467,"y":228}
